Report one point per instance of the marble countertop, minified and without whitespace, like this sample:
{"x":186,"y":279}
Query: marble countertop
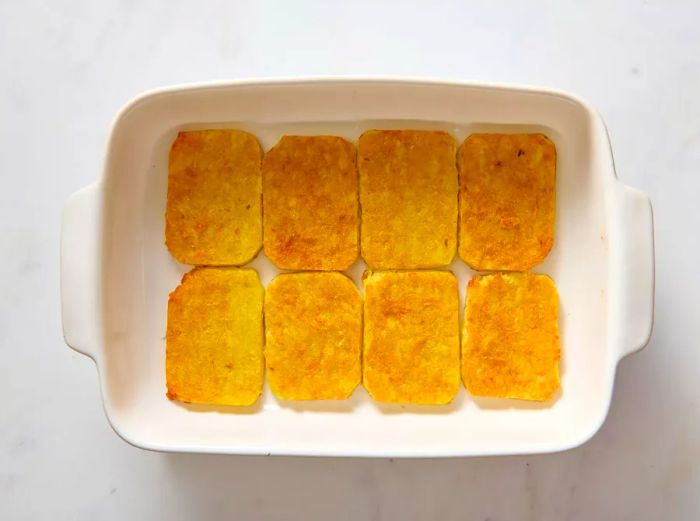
{"x":65,"y":69}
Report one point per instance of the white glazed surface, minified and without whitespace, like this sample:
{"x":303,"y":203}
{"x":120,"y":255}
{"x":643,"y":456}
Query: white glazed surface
{"x":133,"y":272}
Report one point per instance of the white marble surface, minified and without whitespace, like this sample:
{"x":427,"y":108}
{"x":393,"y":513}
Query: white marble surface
{"x":67,"y":66}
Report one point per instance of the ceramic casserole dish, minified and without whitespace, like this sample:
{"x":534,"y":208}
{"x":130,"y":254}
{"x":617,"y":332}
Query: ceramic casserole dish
{"x":116,"y":272}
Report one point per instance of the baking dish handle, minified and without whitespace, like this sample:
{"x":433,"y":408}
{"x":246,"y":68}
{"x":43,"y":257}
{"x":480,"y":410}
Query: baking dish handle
{"x":632,"y":276}
{"x":80,"y":270}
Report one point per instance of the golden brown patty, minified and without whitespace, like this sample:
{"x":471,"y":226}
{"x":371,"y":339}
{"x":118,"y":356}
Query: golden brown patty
{"x":214,"y":214}
{"x":511,"y":341}
{"x":411,"y":343}
{"x":313,"y":331}
{"x":408,"y":196}
{"x":506,"y":200}
{"x":310,"y":194}
{"x":214,"y":351}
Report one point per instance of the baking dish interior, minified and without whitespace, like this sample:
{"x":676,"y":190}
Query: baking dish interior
{"x":138,"y":273}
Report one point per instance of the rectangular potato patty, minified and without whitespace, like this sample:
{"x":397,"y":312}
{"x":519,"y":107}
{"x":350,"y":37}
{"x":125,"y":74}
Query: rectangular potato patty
{"x":214,"y":340}
{"x":214,"y":207}
{"x":313,"y":331}
{"x":408,"y":196}
{"x":311,"y":209}
{"x":511,"y":341}
{"x":506,"y":200}
{"x":411,"y":341}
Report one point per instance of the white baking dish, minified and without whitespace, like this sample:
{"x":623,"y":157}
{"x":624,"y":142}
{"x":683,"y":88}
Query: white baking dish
{"x":116,"y":272}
